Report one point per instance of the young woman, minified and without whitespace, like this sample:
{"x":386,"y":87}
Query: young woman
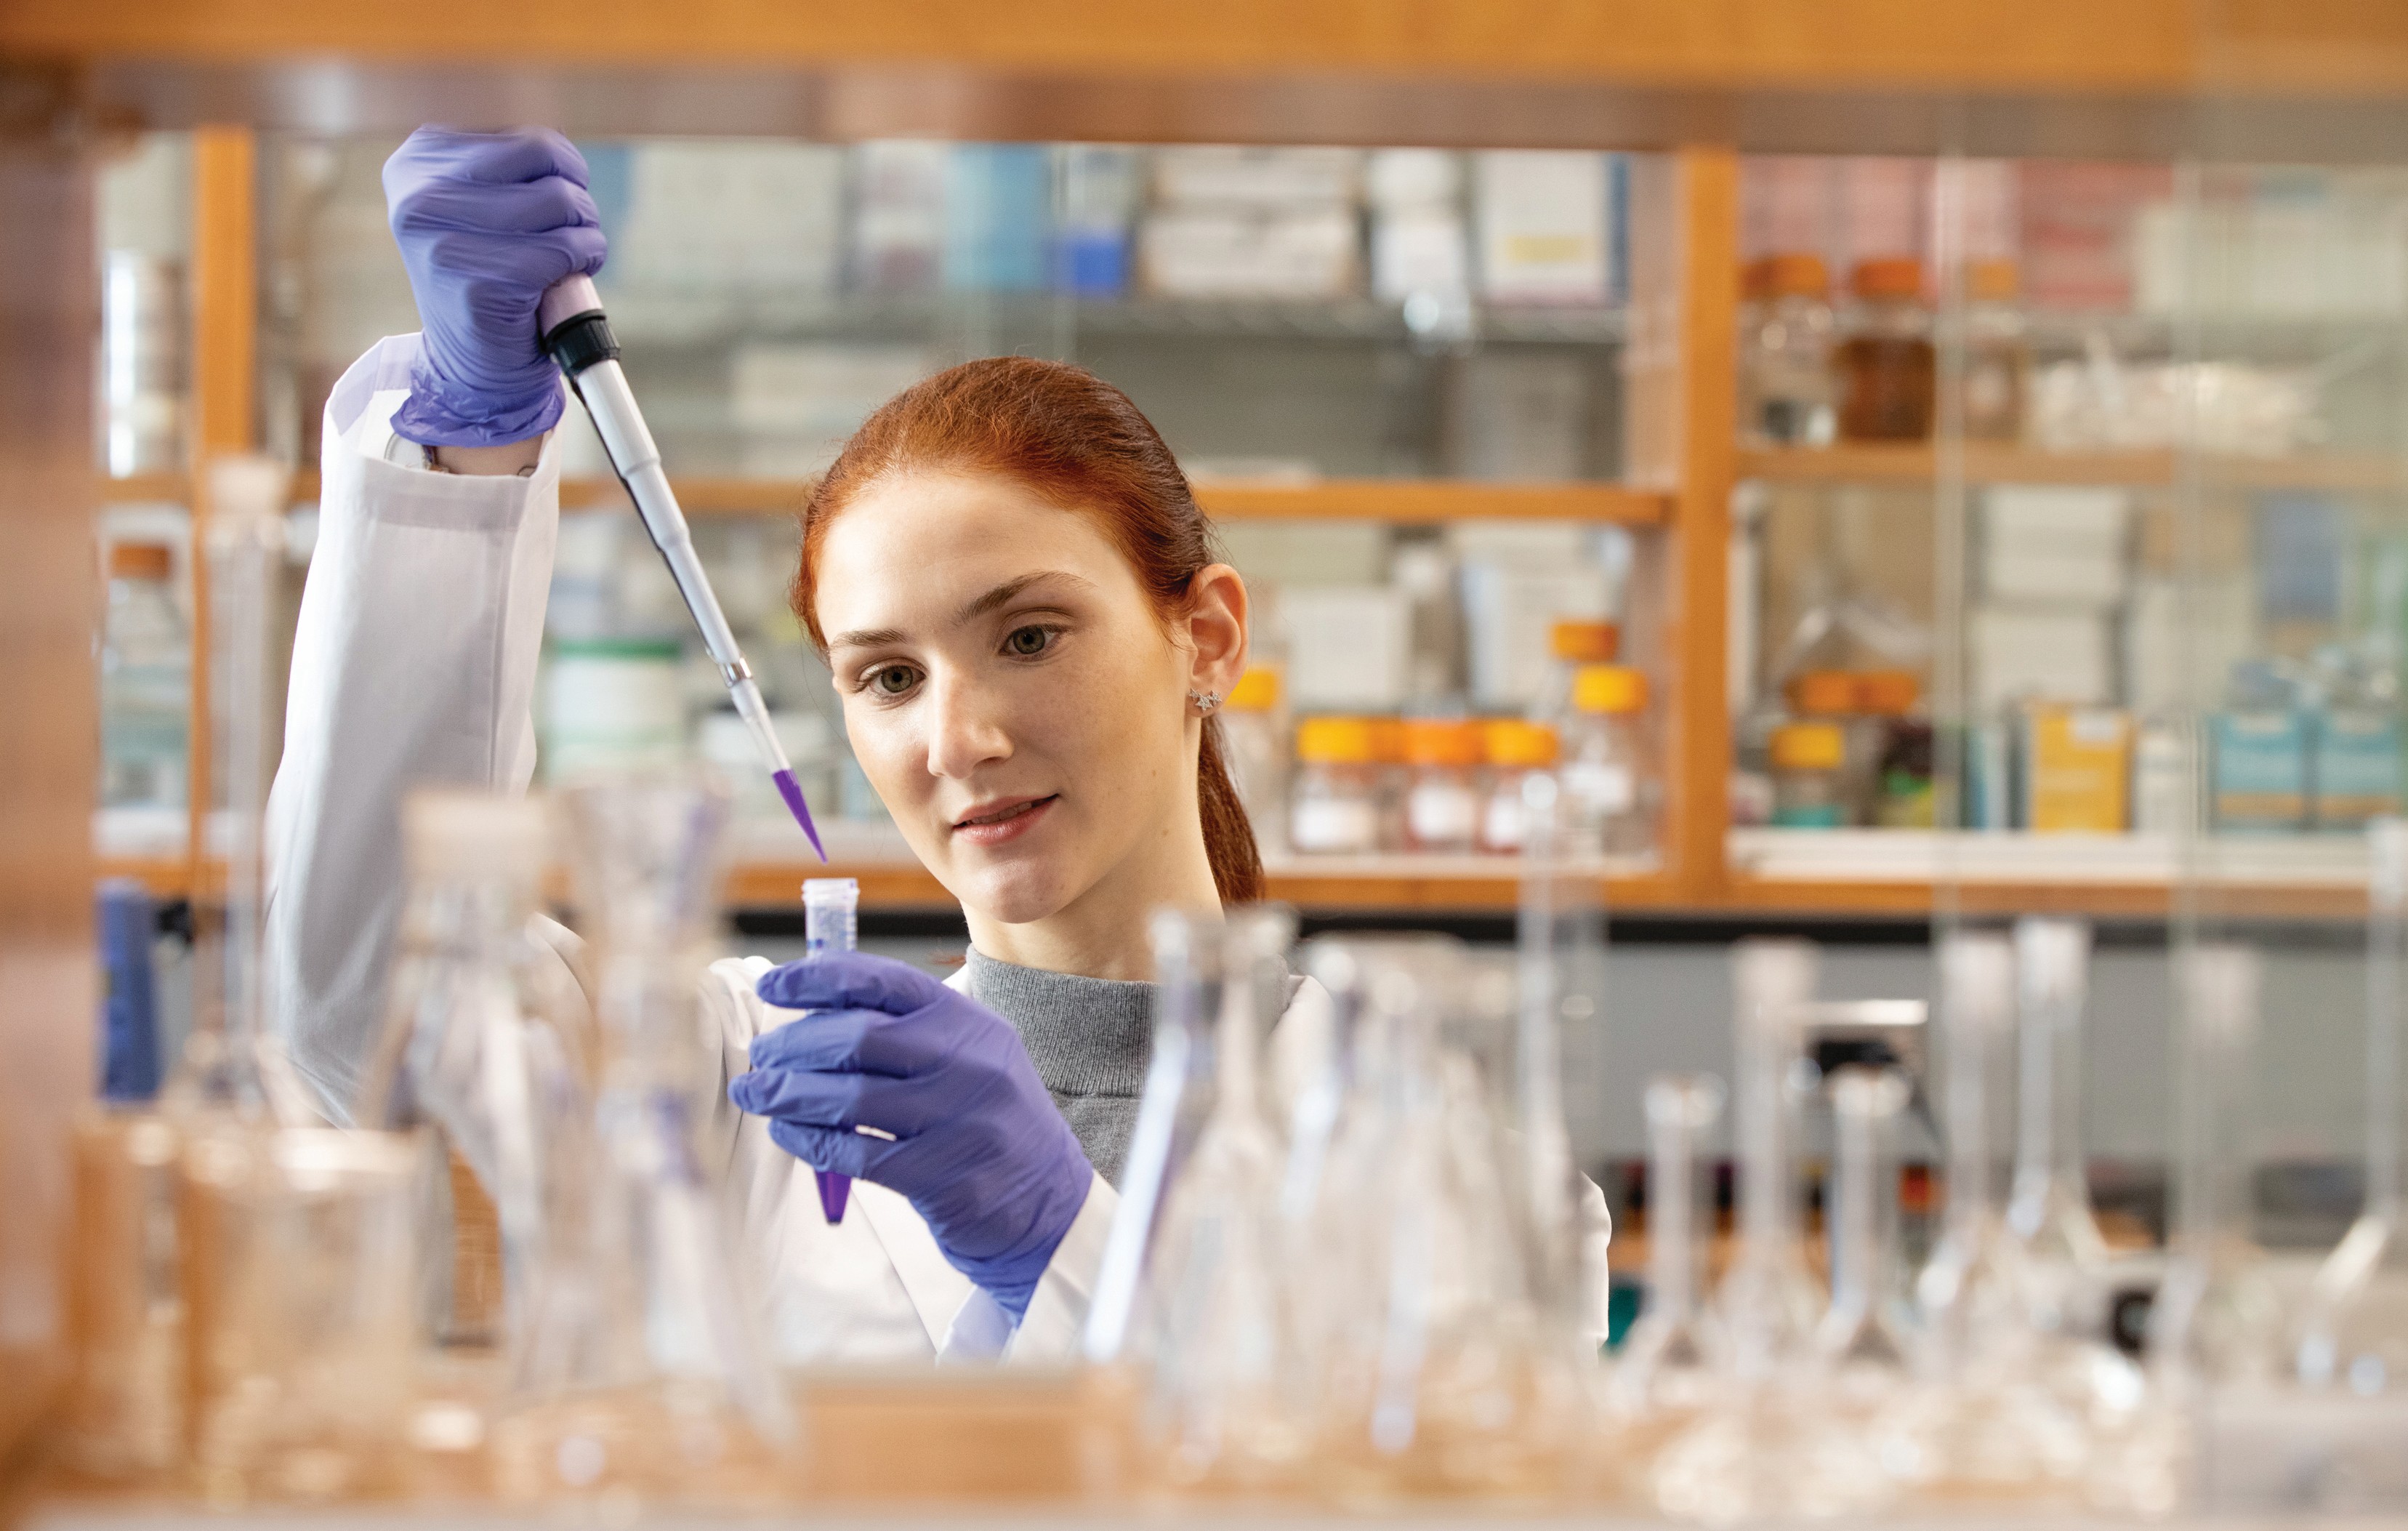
{"x":1020,"y":606}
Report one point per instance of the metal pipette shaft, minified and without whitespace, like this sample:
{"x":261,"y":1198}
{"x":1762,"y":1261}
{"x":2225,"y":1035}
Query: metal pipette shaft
{"x":578,"y":336}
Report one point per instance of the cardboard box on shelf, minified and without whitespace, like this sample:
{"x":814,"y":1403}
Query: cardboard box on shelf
{"x":1234,"y":176}
{"x":999,"y":218}
{"x":2045,"y":652}
{"x":2357,"y":767}
{"x":1545,"y":219}
{"x":898,"y":214}
{"x":2077,"y":770}
{"x":2258,"y":771}
{"x":1347,"y":648}
{"x":2179,"y":645}
{"x":705,"y":215}
{"x":1307,"y":254}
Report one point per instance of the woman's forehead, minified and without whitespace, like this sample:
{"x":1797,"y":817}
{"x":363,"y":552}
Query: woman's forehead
{"x":915,"y":548}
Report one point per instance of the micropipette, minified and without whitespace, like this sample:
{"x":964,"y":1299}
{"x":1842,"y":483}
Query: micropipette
{"x":577,"y":335}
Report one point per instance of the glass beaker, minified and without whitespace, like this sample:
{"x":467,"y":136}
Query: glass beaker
{"x":643,"y":1378}
{"x":2355,"y":1331}
{"x":298,"y":1256}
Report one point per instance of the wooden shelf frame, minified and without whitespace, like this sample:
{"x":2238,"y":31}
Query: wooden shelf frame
{"x":1683,"y":460}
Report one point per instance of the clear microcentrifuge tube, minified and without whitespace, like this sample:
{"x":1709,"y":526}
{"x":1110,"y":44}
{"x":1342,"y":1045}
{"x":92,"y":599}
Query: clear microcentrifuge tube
{"x":2355,"y":1329}
{"x":831,"y":923}
{"x":2217,"y":1319}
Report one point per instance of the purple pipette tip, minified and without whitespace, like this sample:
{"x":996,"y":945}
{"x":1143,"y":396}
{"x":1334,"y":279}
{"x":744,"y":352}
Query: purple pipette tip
{"x":793,"y":794}
{"x":834,"y":1190}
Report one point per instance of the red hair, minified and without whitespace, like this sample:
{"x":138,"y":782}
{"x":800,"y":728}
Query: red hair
{"x":1078,"y":442}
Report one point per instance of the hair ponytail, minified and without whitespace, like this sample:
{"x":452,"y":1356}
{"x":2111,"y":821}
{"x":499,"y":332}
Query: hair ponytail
{"x":1079,"y":442}
{"x":1228,"y":835}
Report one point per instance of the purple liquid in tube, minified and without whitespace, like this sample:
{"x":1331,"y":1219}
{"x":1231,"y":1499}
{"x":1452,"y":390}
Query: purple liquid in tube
{"x":831,"y":923}
{"x":793,"y":794}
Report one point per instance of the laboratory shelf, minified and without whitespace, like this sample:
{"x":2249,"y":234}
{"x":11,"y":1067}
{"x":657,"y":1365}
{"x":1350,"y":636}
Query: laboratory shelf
{"x":1905,"y":871}
{"x":705,"y":318}
{"x":1987,"y":463}
{"x":146,"y":489}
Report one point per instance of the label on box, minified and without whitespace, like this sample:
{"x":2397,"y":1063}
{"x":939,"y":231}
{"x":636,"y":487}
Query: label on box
{"x":2258,"y":767}
{"x":2077,"y":770}
{"x":2358,"y":768}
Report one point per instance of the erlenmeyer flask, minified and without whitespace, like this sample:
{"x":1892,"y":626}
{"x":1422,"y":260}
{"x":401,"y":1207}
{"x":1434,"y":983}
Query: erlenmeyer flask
{"x":1228,"y":1406}
{"x":1986,"y":1421}
{"x":2217,"y":1321}
{"x":642,"y":1375}
{"x":2354,"y":1333}
{"x":1666,"y":1376}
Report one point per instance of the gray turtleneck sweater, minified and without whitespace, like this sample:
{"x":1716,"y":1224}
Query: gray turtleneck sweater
{"x":1090,"y":1039}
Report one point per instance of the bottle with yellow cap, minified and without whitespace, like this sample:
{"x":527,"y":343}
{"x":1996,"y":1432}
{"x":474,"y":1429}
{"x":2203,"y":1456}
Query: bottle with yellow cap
{"x":1442,"y":800}
{"x":1572,"y":642}
{"x":1335,"y":808}
{"x":1253,"y":746}
{"x":1514,"y":750}
{"x":1609,"y":791}
{"x":1784,"y":368}
{"x":1809,"y":787}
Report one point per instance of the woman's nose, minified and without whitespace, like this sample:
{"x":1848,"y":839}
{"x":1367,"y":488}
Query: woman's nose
{"x":963,"y":733}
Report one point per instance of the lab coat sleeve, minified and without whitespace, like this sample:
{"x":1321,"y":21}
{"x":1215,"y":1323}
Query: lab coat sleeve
{"x":413,"y":661}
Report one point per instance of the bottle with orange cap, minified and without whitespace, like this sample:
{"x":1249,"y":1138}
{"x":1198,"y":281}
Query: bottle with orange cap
{"x":1573,"y":642}
{"x":146,"y":680}
{"x":1442,"y":799}
{"x":1885,"y":367}
{"x":1608,"y":788}
{"x":1784,"y":364}
{"x":1514,"y":750}
{"x":1253,"y":747}
{"x":1334,"y":806}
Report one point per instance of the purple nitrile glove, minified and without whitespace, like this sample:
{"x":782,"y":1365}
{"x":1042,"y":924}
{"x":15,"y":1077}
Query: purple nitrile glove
{"x":978,"y":1148}
{"x":486,"y":221}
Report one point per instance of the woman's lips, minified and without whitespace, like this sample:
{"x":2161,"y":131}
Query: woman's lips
{"x":1005,"y":823}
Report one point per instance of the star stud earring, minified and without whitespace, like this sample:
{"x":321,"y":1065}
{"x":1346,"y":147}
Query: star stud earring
{"x":1204,"y":701}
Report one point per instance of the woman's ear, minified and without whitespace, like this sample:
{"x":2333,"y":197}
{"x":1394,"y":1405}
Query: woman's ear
{"x":1217,"y":629}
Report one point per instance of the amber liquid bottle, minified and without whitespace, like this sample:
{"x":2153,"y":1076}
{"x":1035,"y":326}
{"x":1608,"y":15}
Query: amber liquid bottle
{"x":1886,"y":369}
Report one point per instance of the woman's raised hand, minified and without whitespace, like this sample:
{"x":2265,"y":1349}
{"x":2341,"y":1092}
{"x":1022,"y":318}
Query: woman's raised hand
{"x":966,"y":1131}
{"x":486,"y":221}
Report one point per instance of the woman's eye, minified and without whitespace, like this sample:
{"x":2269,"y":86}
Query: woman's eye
{"x":893,"y":680}
{"x":1026,"y":641}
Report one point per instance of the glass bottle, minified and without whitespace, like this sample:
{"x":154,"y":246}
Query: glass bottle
{"x":2217,"y":1318}
{"x":2354,"y":1333}
{"x":1442,"y":797}
{"x":1809,"y":791}
{"x":1571,"y":644}
{"x":1254,"y":748}
{"x":1516,"y":751}
{"x":146,"y":681}
{"x":1998,"y":353}
{"x":1337,"y":805}
{"x":1886,"y":365}
{"x":1785,"y":353}
{"x":644,"y":1379}
{"x":1609,"y":789}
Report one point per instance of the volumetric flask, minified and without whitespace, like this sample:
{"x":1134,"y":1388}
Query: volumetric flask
{"x":2355,"y":1330}
{"x":1666,"y":1376}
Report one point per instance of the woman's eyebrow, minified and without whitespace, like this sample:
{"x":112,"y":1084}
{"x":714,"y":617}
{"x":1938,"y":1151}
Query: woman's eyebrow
{"x":1005,"y":593}
{"x":865,"y":638}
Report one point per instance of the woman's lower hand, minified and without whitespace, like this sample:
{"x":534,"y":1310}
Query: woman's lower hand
{"x":963,"y":1127}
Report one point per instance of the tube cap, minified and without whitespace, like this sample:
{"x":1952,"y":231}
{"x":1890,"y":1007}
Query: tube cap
{"x":1256,"y":690}
{"x":1529,"y":746}
{"x":1336,"y":741}
{"x":1607,"y":688}
{"x":1441,"y":741}
{"x":1807,"y":747}
{"x":1585,"y":642}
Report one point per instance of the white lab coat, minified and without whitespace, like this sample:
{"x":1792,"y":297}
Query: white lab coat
{"x":415,"y":662}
